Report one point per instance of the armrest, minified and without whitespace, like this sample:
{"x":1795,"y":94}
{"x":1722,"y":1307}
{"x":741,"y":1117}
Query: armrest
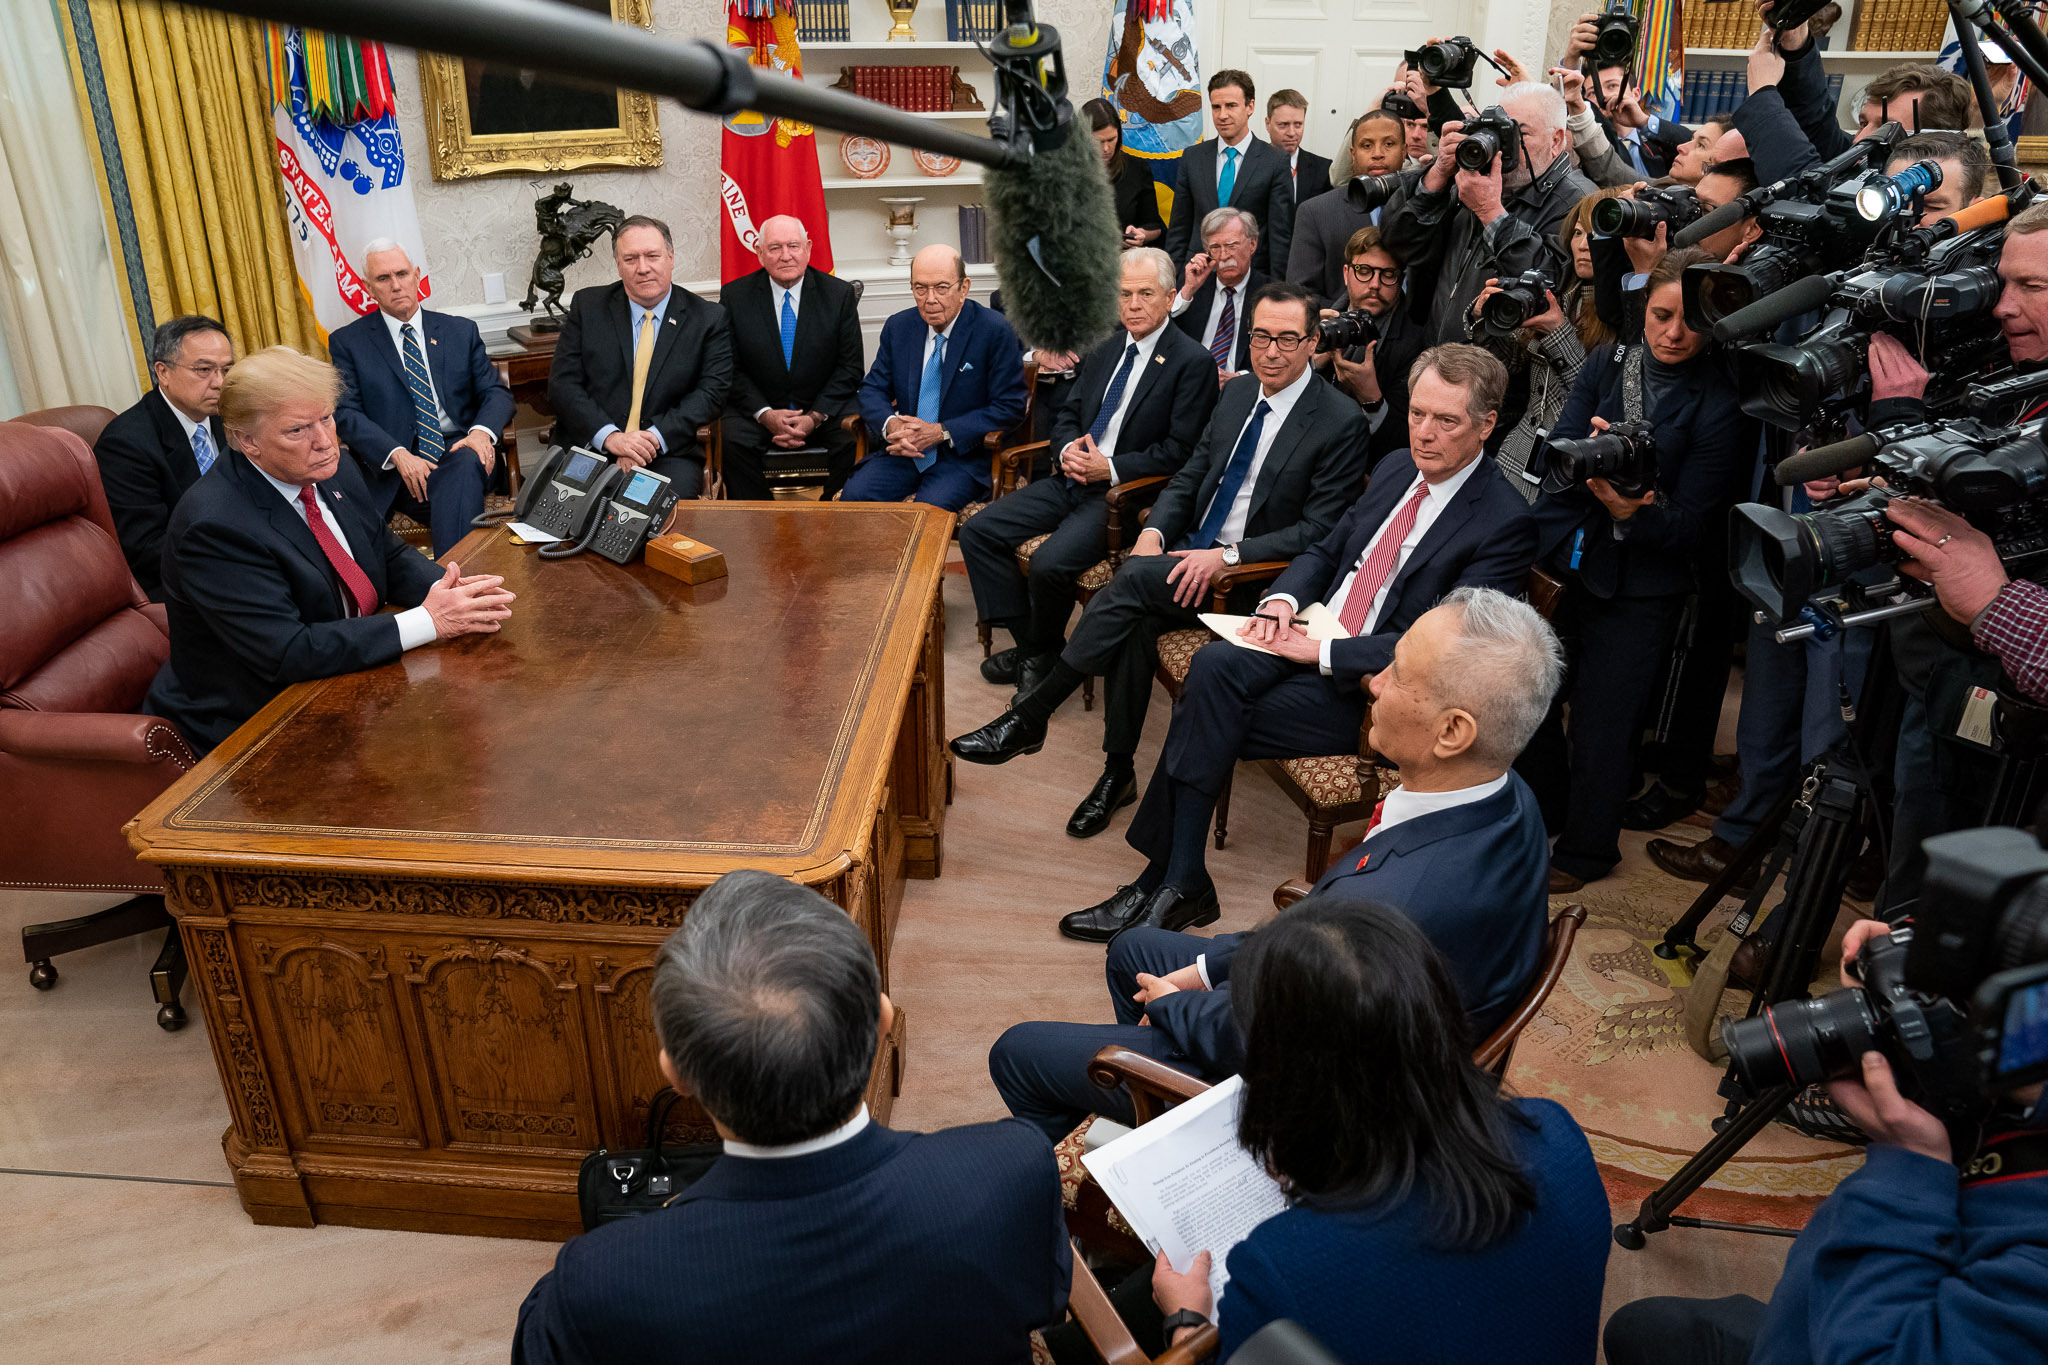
{"x":1148,"y":1081}
{"x":1199,"y":1344}
{"x":1265,"y":571}
{"x":1544,"y":593}
{"x":1290,"y":893}
{"x":93,"y":737}
{"x":1105,"y":1330}
{"x":711,"y":440}
{"x":855,"y":427}
{"x":159,"y":616}
{"x":1127,"y":502}
{"x":1010,"y":466}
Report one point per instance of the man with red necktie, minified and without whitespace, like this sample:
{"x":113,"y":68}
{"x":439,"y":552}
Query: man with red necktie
{"x":1459,"y":848}
{"x":277,"y":567}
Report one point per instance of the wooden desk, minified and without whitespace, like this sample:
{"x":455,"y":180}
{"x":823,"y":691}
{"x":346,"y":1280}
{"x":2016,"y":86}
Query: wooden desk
{"x":421,"y":903}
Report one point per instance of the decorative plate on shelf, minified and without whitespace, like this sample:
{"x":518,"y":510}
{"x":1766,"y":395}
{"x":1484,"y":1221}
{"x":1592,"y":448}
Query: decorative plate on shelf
{"x":864,"y":157}
{"x":931,"y":163}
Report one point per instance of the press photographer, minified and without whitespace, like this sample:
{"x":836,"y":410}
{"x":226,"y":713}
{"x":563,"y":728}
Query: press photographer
{"x":1936,"y":1250}
{"x":1366,"y":174}
{"x":1366,"y":349}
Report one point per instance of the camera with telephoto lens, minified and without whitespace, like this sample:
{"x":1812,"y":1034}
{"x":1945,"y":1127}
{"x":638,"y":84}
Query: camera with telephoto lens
{"x":1614,"y":36}
{"x":1346,"y":330}
{"x":1996,"y":478}
{"x":1958,"y":1003}
{"x":1625,"y":455}
{"x":1398,"y":103}
{"x":1448,"y":64}
{"x":1676,"y":206}
{"x":1489,"y":133}
{"x":1506,"y":312}
{"x":1372,"y":191}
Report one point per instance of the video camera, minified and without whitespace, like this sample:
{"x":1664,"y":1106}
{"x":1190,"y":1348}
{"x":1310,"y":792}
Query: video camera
{"x":1354,"y":328}
{"x":1958,"y":1003}
{"x":1519,"y":299}
{"x":1625,"y":455}
{"x":1489,"y":133}
{"x":1677,"y":206}
{"x":1447,"y":63}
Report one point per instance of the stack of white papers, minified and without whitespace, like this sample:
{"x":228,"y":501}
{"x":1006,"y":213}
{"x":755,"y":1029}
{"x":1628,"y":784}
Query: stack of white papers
{"x":1317,"y":621}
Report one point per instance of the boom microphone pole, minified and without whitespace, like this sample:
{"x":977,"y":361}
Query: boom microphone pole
{"x":1997,"y":138}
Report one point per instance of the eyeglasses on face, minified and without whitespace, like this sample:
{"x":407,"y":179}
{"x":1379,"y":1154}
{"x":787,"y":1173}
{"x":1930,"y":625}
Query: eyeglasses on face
{"x":206,"y":373}
{"x":1367,"y":274}
{"x":931,"y":291}
{"x":1286,"y":342}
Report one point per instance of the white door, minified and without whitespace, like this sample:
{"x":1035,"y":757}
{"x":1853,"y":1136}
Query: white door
{"x":1339,"y":53}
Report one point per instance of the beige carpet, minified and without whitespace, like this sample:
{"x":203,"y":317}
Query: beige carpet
{"x":131,"y":1269}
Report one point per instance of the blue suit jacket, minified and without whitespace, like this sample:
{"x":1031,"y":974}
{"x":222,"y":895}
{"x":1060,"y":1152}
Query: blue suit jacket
{"x":981,"y":385}
{"x":890,"y":1247}
{"x":375,"y":415}
{"x":1475,"y":879}
{"x":1485,"y":538}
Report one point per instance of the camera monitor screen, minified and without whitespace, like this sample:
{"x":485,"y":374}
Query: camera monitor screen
{"x":582,"y":464}
{"x":2024,"y":1044}
{"x":643,"y":488}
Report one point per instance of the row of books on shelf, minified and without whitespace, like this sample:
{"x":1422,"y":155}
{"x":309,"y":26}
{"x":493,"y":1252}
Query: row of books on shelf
{"x":973,"y":21}
{"x":1900,"y":25}
{"x":918,"y":89}
{"x":1720,"y":23}
{"x":1713,"y":94}
{"x":974,"y":234}
{"x":822,"y":21}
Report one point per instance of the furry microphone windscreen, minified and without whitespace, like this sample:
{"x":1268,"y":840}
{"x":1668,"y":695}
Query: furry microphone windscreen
{"x":1057,"y":246}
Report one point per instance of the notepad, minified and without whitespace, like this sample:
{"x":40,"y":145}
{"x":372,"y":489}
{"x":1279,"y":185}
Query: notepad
{"x":1317,"y":621}
{"x":1185,"y":1186}
{"x":530,"y":535}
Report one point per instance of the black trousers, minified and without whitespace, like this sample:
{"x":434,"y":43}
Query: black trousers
{"x":1076,"y":517}
{"x":747,"y":445}
{"x":455,"y":495}
{"x":1582,"y":774}
{"x":1674,"y":1331}
{"x":1116,"y":640}
{"x":685,"y":473}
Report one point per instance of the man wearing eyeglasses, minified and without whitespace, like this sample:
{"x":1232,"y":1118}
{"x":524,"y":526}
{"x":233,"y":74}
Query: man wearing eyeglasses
{"x":1218,"y":282}
{"x":1376,"y":374}
{"x":150,"y":454}
{"x":947,"y":373}
{"x":1281,"y":460}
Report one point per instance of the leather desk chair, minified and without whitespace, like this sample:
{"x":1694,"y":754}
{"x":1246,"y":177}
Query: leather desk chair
{"x":79,"y":645}
{"x":84,"y":420}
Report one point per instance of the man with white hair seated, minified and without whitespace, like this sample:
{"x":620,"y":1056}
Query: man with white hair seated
{"x":1459,"y":847}
{"x":423,"y":405}
{"x":1457,"y":228}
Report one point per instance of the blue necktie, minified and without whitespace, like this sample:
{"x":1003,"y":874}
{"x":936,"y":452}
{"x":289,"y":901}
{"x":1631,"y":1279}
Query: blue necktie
{"x":202,"y":448}
{"x":788,"y":331}
{"x":1233,"y":479}
{"x":426,"y":426}
{"x":928,"y":396}
{"x":1229,"y":181}
{"x":1113,"y":395}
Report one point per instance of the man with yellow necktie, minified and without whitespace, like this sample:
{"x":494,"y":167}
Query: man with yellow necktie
{"x":642,"y":364}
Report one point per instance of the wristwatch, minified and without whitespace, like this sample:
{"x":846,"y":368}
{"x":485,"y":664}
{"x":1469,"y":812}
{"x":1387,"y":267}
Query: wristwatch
{"x":945,"y":436}
{"x":1230,"y":555}
{"x":1174,"y":1321}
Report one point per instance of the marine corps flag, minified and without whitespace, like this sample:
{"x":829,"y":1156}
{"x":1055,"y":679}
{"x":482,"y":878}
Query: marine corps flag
{"x":770,"y":165}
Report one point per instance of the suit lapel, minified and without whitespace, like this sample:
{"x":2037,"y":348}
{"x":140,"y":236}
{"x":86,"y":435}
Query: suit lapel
{"x":956,"y":352}
{"x":810,"y":326}
{"x":1449,"y":525}
{"x":1379,"y":850}
{"x":665,"y":336}
{"x":1307,"y":413}
{"x":619,"y":309}
{"x":437,"y":363}
{"x":1148,"y":373}
{"x":284,"y":519}
{"x":1233,"y":422}
{"x":387,"y":346}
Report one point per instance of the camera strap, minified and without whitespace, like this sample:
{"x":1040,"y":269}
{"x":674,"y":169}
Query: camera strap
{"x":1632,"y":385}
{"x":2017,"y":1154}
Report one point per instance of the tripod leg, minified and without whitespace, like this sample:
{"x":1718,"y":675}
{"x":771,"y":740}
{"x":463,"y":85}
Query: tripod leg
{"x":1655,"y":1213}
{"x":1680,"y":936}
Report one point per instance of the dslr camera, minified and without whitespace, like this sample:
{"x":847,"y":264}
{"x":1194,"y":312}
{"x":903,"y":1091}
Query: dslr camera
{"x":1625,"y":455}
{"x":1346,"y":330}
{"x":1958,"y":1003}
{"x":1503,"y":314}
{"x":1489,"y":133}
{"x":1447,"y":64}
{"x":1397,"y":103}
{"x":1373,"y":191}
{"x":1676,"y":206}
{"x":1614,"y":35}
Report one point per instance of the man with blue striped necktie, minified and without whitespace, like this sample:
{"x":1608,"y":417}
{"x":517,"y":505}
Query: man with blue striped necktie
{"x":424,"y":404}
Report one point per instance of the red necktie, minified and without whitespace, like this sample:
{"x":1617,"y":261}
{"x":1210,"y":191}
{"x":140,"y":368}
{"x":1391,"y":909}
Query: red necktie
{"x":1370,"y":826}
{"x":1373,"y":574}
{"x":352,"y":576}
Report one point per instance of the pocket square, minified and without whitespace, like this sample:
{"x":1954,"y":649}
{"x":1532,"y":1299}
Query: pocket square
{"x":966,"y":365}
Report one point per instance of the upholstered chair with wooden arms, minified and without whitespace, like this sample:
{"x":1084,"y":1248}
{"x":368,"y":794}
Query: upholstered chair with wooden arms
{"x":84,"y":420}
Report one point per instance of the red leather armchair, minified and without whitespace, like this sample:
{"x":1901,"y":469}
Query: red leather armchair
{"x":79,"y":644}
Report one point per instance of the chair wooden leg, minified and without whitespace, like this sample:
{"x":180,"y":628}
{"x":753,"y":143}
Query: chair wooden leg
{"x":1320,"y":832}
{"x":1223,"y":810}
{"x":986,"y":634}
{"x":1088,"y":693}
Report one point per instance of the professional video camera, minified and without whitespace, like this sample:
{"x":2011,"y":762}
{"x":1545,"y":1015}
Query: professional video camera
{"x":1996,"y":477}
{"x":1958,"y":1003}
{"x":1340,"y":333}
{"x":1519,"y":299}
{"x":1625,"y":455}
{"x":1614,"y":35}
{"x":1489,"y":133}
{"x":1447,"y":63}
{"x":1674,"y":205}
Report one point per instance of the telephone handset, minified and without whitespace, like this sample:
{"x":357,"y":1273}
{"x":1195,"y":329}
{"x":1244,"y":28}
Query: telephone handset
{"x":626,"y":519}
{"x":565,"y":497}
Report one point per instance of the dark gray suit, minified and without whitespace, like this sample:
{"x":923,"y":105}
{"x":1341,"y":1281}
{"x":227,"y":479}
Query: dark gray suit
{"x":1263,"y":188}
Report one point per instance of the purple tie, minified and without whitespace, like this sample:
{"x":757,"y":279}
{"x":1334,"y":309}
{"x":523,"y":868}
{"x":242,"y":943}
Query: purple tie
{"x":1220,"y":346}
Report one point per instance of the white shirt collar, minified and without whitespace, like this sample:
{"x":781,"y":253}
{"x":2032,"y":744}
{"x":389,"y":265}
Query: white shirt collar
{"x":1450,"y":486}
{"x":634,"y":308}
{"x":845,"y":1132}
{"x":418,"y":323}
{"x":1403,"y":805}
{"x":1147,"y":344}
{"x":1283,"y":402}
{"x":1240,"y":144}
{"x":187,"y":423}
{"x":288,"y":491}
{"x":795,"y":292}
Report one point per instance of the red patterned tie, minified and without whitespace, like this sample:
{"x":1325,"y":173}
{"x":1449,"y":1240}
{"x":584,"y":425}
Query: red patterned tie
{"x":1370,"y":826}
{"x":1373,"y":574}
{"x":352,"y":576}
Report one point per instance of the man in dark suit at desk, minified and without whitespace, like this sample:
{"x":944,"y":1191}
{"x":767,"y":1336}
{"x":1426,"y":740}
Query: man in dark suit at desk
{"x":1286,"y":121}
{"x":1237,"y":170}
{"x":1459,"y":848}
{"x":1218,"y":284}
{"x":947,"y":373}
{"x":1135,"y":411}
{"x":424,"y":407}
{"x":819,"y":1235}
{"x":276,"y":565}
{"x":1283,"y":456}
{"x":150,"y":454}
{"x":642,"y":364}
{"x":796,"y":362}
{"x":1437,"y":517}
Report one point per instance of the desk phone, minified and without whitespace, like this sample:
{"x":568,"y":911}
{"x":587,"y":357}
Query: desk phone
{"x":632,"y":514}
{"x":565,"y":498}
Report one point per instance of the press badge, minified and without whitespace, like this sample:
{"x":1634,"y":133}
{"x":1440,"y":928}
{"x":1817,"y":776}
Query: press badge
{"x":1979,"y":723}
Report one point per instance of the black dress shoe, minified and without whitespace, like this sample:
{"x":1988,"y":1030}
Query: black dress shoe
{"x":1031,"y":672}
{"x":1111,"y":793}
{"x":1658,"y":807}
{"x":1701,"y":862}
{"x":1101,"y":923}
{"x":1000,"y":667}
{"x":1001,"y":740}
{"x":1169,"y":909}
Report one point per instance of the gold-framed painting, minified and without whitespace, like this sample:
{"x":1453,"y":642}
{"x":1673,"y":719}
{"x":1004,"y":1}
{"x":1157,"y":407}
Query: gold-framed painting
{"x":484,"y":118}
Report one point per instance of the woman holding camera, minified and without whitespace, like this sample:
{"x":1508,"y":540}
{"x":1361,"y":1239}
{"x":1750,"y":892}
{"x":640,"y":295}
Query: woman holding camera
{"x":1625,"y":546}
{"x":1431,"y":1218}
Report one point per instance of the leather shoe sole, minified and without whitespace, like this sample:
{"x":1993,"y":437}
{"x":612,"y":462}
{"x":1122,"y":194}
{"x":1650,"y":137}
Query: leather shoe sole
{"x":1002,"y":739}
{"x":1102,"y":922}
{"x":1111,"y":794}
{"x":1000,"y":667}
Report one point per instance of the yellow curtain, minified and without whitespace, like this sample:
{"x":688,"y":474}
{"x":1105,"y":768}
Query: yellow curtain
{"x":189,"y":93}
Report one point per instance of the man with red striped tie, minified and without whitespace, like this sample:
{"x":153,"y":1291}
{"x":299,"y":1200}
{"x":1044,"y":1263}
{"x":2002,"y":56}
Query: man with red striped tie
{"x":1459,"y":848}
{"x":1213,"y":303}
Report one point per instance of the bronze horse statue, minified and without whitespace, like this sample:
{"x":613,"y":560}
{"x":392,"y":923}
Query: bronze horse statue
{"x":569,"y":228}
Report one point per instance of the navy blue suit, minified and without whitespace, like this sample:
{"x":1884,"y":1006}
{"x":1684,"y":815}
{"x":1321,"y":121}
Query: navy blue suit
{"x":1474,"y":878}
{"x":890,"y":1247}
{"x":254,"y":605}
{"x":981,"y":389}
{"x":376,"y":416}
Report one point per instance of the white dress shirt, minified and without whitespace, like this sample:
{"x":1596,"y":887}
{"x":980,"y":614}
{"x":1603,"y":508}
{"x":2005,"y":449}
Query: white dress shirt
{"x":418,"y":323}
{"x":634,"y":313}
{"x":1440,"y":496}
{"x":191,"y":426}
{"x":1281,"y":403}
{"x":845,"y":1132}
{"x":924,"y":359}
{"x":1148,"y":346}
{"x":415,"y":626}
{"x":1244,"y":147}
{"x":776,"y":294}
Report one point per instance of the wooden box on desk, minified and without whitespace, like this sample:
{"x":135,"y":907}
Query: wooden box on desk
{"x":678,"y":556}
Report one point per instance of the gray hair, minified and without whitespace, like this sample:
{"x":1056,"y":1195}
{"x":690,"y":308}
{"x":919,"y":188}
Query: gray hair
{"x":1158,"y":260}
{"x":167,"y":343}
{"x":377,"y":244}
{"x":1216,"y":220}
{"x":1503,"y":670}
{"x":1541,"y":104}
{"x":768,"y":1001}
